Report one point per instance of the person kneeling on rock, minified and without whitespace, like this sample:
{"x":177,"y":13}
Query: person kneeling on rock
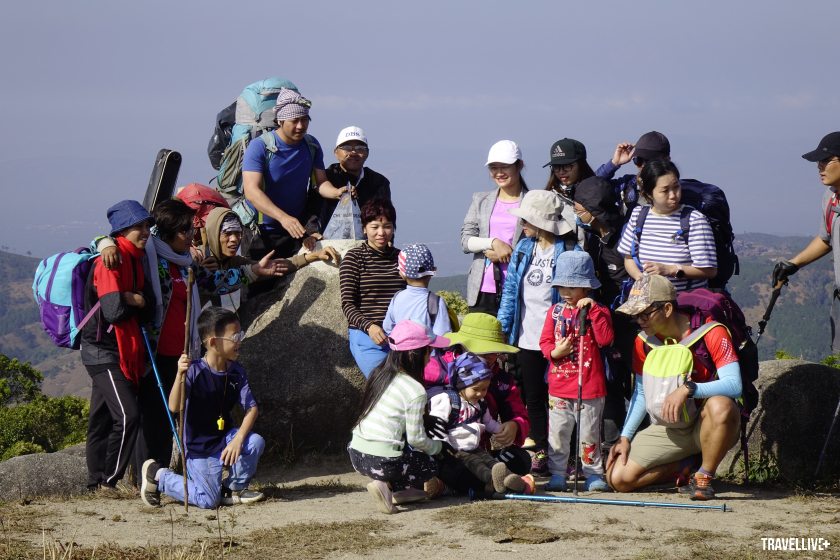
{"x":214,"y":385}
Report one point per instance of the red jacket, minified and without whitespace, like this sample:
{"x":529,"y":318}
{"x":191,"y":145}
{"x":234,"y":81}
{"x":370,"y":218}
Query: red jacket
{"x":563,"y":373}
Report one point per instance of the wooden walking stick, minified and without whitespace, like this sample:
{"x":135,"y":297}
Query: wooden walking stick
{"x":190,"y":282}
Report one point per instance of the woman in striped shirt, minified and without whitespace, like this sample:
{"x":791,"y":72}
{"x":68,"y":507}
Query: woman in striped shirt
{"x":662,"y":249}
{"x":391,"y":416}
{"x":369,"y":278}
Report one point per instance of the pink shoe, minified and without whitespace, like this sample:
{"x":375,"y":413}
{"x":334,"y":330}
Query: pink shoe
{"x":409,"y":495}
{"x":530,"y":485}
{"x":382,"y":496}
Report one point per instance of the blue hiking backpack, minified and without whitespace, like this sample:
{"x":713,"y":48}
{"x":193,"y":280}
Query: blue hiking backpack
{"x":59,"y":289}
{"x":252,"y":115}
{"x":710,"y":201}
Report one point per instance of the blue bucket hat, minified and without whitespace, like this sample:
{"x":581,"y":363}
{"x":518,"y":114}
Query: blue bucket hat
{"x":467,"y":370}
{"x":127,"y":213}
{"x":575,"y":269}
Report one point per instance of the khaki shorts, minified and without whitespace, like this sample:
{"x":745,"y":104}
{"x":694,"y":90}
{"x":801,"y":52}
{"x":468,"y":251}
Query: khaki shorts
{"x":658,"y":445}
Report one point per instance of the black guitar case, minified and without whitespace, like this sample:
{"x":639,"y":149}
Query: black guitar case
{"x":164,"y":176}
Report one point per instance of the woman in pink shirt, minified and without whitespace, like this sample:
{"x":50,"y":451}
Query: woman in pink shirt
{"x":490,"y":232}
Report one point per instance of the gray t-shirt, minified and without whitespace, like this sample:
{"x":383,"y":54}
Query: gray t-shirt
{"x":831,"y":237}
{"x":536,"y":297}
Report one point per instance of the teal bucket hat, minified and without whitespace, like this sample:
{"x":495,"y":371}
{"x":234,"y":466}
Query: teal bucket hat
{"x":575,"y":269}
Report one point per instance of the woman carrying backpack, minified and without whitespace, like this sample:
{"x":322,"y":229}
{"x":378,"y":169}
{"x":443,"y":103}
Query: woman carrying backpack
{"x":654,"y":240}
{"x":489,"y":231}
{"x":112,"y":346}
{"x":568,"y":169}
{"x":527,"y":297}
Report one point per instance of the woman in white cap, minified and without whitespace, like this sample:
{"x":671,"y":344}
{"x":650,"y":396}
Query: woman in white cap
{"x":490,"y":232}
{"x":527,"y":297}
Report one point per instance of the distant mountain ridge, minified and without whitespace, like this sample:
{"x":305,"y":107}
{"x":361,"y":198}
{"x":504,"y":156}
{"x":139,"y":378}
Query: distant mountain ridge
{"x":799,"y":324}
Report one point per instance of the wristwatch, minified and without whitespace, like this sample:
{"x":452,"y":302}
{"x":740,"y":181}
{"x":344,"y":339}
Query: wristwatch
{"x":692,"y":387}
{"x":680,"y":272}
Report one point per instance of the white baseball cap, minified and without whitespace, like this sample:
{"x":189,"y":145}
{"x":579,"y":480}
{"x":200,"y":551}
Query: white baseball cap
{"x":351,"y":133}
{"x":505,"y":151}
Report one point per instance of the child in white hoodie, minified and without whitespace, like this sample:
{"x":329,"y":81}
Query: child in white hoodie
{"x":461,"y":405}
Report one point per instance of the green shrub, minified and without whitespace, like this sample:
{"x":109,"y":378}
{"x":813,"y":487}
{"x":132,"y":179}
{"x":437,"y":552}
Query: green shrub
{"x":455,"y":302}
{"x":50,"y":423}
{"x":19,"y":382}
{"x":22,"y":448}
{"x":782,"y":355}
{"x":831,"y":361}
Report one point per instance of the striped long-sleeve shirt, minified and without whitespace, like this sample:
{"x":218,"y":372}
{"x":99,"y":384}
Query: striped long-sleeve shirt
{"x":398,"y":413}
{"x":369,"y":279}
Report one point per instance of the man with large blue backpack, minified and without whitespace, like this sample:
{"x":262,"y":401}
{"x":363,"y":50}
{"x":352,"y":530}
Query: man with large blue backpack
{"x":703,"y":197}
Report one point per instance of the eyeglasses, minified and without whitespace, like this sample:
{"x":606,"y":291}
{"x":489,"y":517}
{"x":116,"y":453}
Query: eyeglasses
{"x":494,"y":169}
{"x":238,"y":337}
{"x":359,"y":149}
{"x":639,"y":161}
{"x":189,"y":232}
{"x":646,"y":314}
{"x":823,"y":163}
{"x":565,"y":167}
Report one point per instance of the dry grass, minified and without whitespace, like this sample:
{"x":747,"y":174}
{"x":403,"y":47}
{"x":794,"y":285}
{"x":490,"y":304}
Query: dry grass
{"x":692,"y":537}
{"x":491,"y":519}
{"x":317,"y":540}
{"x":286,"y":492}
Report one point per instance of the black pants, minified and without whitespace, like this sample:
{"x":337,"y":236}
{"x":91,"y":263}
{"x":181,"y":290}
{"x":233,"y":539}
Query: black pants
{"x":155,"y":438}
{"x":460,"y":478}
{"x":486,"y":303}
{"x":411,"y":469}
{"x":284,"y":246}
{"x":532,"y":366}
{"x":112,"y":425}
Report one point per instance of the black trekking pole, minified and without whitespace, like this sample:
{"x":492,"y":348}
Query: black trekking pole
{"x":581,"y":332}
{"x":827,"y":439}
{"x":777,"y":290}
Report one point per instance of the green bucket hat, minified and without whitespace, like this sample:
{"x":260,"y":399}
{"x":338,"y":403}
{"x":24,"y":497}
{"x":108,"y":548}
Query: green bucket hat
{"x":481,"y":333}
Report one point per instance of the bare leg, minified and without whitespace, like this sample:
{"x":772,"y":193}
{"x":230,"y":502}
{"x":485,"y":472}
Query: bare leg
{"x":625,"y":478}
{"x":718,"y":430}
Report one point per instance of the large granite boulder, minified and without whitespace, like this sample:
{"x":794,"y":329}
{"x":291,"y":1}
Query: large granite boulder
{"x":42,"y":474}
{"x":298,"y":359}
{"x":791,"y":422}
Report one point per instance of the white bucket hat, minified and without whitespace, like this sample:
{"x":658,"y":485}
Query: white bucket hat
{"x":542,"y":209}
{"x":505,"y":151}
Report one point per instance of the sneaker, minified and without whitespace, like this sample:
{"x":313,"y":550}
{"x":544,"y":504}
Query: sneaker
{"x":149,"y":492}
{"x":595,"y":484}
{"x":557,"y":484}
{"x":515,"y":483}
{"x":409,"y":495}
{"x":383,"y":497}
{"x":236,"y":497}
{"x":571,"y":473}
{"x":700,"y":487}
{"x":539,"y":464}
{"x":498,"y":474}
{"x":434,"y":488}
{"x":529,"y":444}
{"x":530,"y":485}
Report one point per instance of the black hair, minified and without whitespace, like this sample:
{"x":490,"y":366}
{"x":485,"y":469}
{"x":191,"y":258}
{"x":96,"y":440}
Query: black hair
{"x":652,"y":171}
{"x":410,"y":362}
{"x":173,"y":216}
{"x":213,"y":321}
{"x":376,"y":207}
{"x":584,"y":172}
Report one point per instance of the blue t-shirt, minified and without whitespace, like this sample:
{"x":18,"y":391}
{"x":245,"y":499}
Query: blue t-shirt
{"x":287,"y":179}
{"x":211,"y":394}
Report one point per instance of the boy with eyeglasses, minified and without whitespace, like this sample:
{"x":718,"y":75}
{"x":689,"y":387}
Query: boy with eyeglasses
{"x":827,"y":158}
{"x":214,"y":385}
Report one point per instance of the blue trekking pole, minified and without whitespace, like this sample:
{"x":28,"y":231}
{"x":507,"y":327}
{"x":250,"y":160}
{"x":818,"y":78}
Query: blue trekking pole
{"x":165,"y":402}
{"x":574,"y":500}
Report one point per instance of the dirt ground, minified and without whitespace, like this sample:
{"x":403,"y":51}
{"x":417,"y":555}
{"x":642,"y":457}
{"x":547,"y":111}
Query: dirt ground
{"x":322,"y":510}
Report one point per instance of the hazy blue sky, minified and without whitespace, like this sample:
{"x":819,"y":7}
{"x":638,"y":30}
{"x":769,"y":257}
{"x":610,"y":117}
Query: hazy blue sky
{"x":92,"y":90}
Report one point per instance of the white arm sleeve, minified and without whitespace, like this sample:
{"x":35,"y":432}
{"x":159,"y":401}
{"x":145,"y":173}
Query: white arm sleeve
{"x":479,"y":244}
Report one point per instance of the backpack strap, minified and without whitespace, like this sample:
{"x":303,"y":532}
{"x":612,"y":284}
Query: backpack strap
{"x":454,"y":406}
{"x":698,"y":334}
{"x":313,"y":146}
{"x":685,"y":226}
{"x":831,"y":211}
{"x":637,"y":238}
{"x":433,"y":305}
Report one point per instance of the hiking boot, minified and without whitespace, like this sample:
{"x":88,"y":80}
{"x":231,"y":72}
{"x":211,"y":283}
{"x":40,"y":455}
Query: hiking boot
{"x":383,"y":497}
{"x":515,"y":483}
{"x":595,"y":484}
{"x":409,"y":495}
{"x":699,"y":488}
{"x":236,"y":497}
{"x":539,"y":464}
{"x":498,"y":474}
{"x":557,"y":484}
{"x":149,"y":492}
{"x":529,"y":443}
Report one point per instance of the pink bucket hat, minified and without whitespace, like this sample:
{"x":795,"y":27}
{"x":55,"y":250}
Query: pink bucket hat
{"x":411,"y":334}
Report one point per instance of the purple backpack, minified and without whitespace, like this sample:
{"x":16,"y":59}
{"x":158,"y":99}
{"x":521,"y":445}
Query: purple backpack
{"x":59,"y":289}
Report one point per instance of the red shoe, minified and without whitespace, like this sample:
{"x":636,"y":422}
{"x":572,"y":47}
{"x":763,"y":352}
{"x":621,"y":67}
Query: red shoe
{"x":530,"y":485}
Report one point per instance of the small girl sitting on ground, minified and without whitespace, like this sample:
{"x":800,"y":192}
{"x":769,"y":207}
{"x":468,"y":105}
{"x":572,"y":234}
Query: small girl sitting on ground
{"x":462,"y":408}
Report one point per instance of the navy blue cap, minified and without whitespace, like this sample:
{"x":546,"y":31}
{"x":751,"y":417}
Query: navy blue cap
{"x":829,"y":146}
{"x":127,"y":213}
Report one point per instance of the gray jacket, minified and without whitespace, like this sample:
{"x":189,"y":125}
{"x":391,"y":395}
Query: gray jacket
{"x":477,"y":224}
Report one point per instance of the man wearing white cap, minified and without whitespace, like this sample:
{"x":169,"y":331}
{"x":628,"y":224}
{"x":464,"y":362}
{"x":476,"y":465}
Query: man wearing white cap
{"x":351,"y":151}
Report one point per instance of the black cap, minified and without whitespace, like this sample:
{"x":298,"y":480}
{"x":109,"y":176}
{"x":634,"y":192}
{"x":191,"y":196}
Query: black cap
{"x":597,"y":195}
{"x":652,"y":145}
{"x":829,"y":146}
{"x":566,"y":151}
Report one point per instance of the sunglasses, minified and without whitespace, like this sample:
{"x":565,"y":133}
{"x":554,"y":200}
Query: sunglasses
{"x":359,"y":149}
{"x":238,"y":337}
{"x":639,"y":161}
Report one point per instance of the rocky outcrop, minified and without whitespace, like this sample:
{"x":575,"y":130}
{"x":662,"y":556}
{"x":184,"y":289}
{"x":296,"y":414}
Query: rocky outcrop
{"x":42,"y":475}
{"x":798,"y":400}
{"x":298,"y":360}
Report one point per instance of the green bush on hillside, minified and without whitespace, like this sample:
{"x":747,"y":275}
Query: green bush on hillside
{"x":22,"y":448}
{"x":18,"y":382}
{"x":455,"y":302}
{"x":49,"y":423}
